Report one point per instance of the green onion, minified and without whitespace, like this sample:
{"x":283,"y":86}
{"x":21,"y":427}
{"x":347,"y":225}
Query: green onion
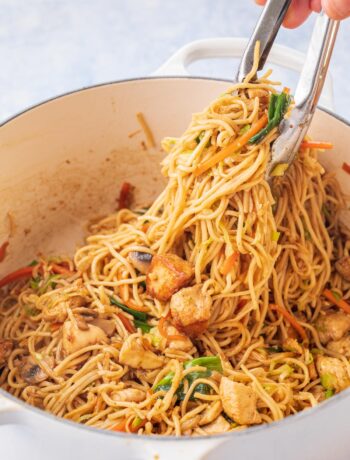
{"x":30,"y":311}
{"x":275,"y":349}
{"x":336,"y":295}
{"x":245,"y":129}
{"x":34,"y":282}
{"x":328,"y":393}
{"x":278,"y":106}
{"x":33,"y":263}
{"x":279,"y":170}
{"x":136,"y":314}
{"x":275,"y":236}
{"x":137,"y":422}
{"x":328,"y":381}
{"x":142,"y":325}
{"x":212,"y":363}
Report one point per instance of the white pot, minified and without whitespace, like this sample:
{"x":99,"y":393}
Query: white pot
{"x":61,"y":163}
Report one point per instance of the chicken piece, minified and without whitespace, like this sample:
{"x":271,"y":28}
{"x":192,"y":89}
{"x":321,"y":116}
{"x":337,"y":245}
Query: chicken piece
{"x":75,"y":339}
{"x":341,"y":346}
{"x":239,"y":402}
{"x":256,"y":92}
{"x":220,"y":425}
{"x":140,"y":260}
{"x":31,"y":372}
{"x":135,"y":353}
{"x":333,"y":373}
{"x":167,"y":274}
{"x":343,"y":267}
{"x":6,"y":347}
{"x":56,"y":310}
{"x":190,"y":423}
{"x":191,"y":310}
{"x":129,"y":395}
{"x":333,"y":326}
{"x":107,"y":325}
{"x":211,"y":413}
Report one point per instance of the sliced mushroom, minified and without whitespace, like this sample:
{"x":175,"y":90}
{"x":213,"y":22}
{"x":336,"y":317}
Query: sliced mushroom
{"x":140,"y":260}
{"x":107,"y":325}
{"x":31,"y":372}
{"x":135,"y":354}
{"x":343,"y":267}
{"x":129,"y":395}
{"x":6,"y":347}
{"x":75,"y":339}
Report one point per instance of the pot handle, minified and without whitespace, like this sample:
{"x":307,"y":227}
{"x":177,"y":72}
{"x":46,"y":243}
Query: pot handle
{"x":210,"y":48}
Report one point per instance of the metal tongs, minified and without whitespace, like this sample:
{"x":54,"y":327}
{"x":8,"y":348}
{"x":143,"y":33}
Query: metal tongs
{"x":309,"y":88}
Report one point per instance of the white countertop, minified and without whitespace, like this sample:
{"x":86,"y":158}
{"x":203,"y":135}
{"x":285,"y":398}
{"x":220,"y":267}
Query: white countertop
{"x":48,"y":47}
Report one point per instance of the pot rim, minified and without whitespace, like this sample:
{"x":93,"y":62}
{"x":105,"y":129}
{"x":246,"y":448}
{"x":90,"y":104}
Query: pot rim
{"x":225,"y":436}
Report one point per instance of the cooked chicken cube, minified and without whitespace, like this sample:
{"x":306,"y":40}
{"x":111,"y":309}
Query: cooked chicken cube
{"x":341,"y":346}
{"x":211,"y":413}
{"x":129,"y":395}
{"x":191,"y":310}
{"x":6,"y":347}
{"x":135,"y":353}
{"x":220,"y":425}
{"x":239,"y":402}
{"x":333,"y":326}
{"x":333,"y":373}
{"x":75,"y":339}
{"x":31,"y":372}
{"x":167,"y":274}
{"x":343,"y":267}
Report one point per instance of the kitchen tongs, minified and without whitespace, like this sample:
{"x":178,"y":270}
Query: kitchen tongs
{"x":309,"y":88}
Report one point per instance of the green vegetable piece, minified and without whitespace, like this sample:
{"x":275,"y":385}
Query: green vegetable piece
{"x":244,"y":129}
{"x":34,"y":282}
{"x":275,"y":349}
{"x":33,"y":263}
{"x":212,"y":363}
{"x":142,"y":325}
{"x":143,"y":284}
{"x":166,"y":381}
{"x":136,"y":314}
{"x":337,"y":295}
{"x":328,"y":381}
{"x":328,"y":393}
{"x":31,"y":311}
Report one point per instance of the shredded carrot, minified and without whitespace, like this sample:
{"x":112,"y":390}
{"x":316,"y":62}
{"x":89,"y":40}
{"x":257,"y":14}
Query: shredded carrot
{"x":163,"y":332}
{"x":145,"y":227}
{"x":127,"y":323}
{"x":133,"y":306}
{"x":316,"y":145}
{"x":229,"y":263}
{"x":60,"y":270}
{"x":341,"y":303}
{"x":346,"y":167}
{"x":55,"y":326}
{"x":291,"y":320}
{"x":25,"y":272}
{"x":237,"y":144}
{"x":3,"y":248}
{"x":286,"y":90}
{"x":119,"y":426}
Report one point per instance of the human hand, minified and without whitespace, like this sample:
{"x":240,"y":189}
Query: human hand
{"x":300,"y":10}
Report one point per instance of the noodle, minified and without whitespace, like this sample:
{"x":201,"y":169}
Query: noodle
{"x":250,"y":247}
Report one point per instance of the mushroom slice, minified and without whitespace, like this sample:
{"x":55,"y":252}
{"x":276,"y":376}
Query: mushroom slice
{"x":6,"y":347}
{"x":31,"y":372}
{"x":140,"y":260}
{"x":107,"y":325}
{"x":75,"y":339}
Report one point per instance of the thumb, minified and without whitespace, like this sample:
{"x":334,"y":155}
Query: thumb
{"x":337,"y":9}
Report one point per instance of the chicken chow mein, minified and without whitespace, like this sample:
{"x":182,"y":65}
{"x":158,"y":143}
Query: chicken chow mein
{"x":220,"y":306}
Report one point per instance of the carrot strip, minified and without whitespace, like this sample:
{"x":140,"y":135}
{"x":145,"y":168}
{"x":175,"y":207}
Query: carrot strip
{"x":237,"y":144}
{"x":55,"y":326}
{"x":229,"y":263}
{"x":341,"y":303}
{"x":125,"y":195}
{"x":3,"y":248}
{"x":60,"y":270}
{"x":163,"y":332}
{"x":346,"y":167}
{"x":316,"y":145}
{"x":127,"y":323}
{"x":291,"y":320}
{"x":25,"y":272}
{"x":133,"y":306}
{"x":119,"y":426}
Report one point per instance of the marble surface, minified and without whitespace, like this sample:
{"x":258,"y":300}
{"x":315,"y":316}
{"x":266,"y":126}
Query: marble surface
{"x":48,"y":47}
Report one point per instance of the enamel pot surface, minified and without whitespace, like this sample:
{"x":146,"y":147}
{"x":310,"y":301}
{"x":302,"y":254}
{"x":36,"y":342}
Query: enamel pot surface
{"x":61,"y":164}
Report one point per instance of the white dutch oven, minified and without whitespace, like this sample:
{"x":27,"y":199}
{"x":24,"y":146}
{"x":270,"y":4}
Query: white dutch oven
{"x":61,"y":163}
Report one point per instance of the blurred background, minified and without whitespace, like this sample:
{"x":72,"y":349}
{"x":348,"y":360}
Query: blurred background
{"x":48,"y":47}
